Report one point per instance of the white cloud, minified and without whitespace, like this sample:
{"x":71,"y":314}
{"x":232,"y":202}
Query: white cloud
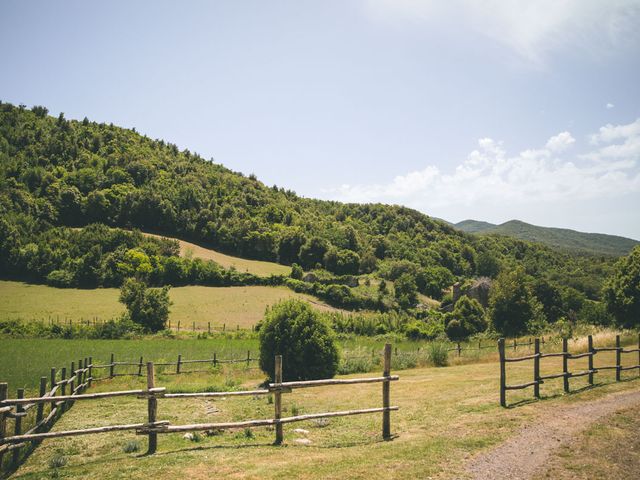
{"x":532,"y":30}
{"x":491,"y":177}
{"x":560,"y":142}
{"x":610,"y":106}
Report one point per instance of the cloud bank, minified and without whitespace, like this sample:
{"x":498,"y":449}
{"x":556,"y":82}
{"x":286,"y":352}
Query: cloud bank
{"x":606,"y":168}
{"x":531,"y":29}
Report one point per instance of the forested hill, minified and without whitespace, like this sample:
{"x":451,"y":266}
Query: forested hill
{"x":563,"y":238}
{"x":60,"y":172}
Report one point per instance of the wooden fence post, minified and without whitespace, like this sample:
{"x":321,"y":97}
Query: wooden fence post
{"x":86,"y":374}
{"x":80,"y":376}
{"x":4,"y":388}
{"x":618,"y":358}
{"x":515,"y":344}
{"x":277,"y":400}
{"x":90,"y":372}
{"x":140,"y":367}
{"x":536,"y":368}
{"x":215,"y":360}
{"x":18,"y":426}
{"x":178,"y":326}
{"x":248,"y":357}
{"x":209,"y":327}
{"x":63,"y":386}
{"x":152,"y":407}
{"x":112,"y":367}
{"x":459,"y":349}
{"x":386,"y":394}
{"x":40,"y":407}
{"x":565,"y":364}
{"x":178,"y":364}
{"x":590,"y":341}
{"x":503,"y":374}
{"x":72,"y":383}
{"x":224,"y":327}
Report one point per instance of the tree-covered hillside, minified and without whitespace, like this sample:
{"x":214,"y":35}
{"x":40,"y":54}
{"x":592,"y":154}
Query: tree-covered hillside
{"x":56,"y":172}
{"x":560,"y":238}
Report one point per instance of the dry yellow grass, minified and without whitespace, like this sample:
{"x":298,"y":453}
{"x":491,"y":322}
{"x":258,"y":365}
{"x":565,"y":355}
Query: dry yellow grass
{"x":242,"y":306}
{"x":257,"y":267}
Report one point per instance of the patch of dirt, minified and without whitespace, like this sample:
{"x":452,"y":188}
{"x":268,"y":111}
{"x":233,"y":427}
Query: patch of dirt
{"x":523,"y":455}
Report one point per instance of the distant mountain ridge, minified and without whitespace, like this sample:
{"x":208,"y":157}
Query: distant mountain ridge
{"x":561,"y":238}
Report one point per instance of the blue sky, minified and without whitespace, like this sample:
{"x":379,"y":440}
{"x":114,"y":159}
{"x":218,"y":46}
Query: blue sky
{"x":490,"y":109}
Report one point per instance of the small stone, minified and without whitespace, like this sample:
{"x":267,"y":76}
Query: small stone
{"x":301,"y":431}
{"x":302,"y":441}
{"x":188,"y":436}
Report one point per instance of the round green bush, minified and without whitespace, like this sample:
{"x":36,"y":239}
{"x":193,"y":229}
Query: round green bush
{"x":307,"y":344}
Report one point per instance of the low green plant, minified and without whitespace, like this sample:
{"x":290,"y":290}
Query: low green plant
{"x":438,"y":354}
{"x":57,"y":461}
{"x":131,"y":446}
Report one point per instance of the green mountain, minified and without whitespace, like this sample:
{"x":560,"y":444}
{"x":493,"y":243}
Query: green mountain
{"x":57,"y":174}
{"x":561,"y":238}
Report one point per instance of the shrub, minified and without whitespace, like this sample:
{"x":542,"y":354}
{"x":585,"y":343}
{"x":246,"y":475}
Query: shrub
{"x":296,"y":272}
{"x":307,"y":344}
{"x":60,"y":279}
{"x":438,"y":354}
{"x":57,"y":461}
{"x":148,"y":307}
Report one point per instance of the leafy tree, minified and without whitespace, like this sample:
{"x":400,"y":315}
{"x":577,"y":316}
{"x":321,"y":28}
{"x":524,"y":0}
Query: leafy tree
{"x":487,"y":265}
{"x":296,"y":271}
{"x":406,"y":291}
{"x":513,"y":308}
{"x":466,"y":319}
{"x":622,"y":290}
{"x":148,"y":307}
{"x":307,"y":344}
{"x":312,"y":252}
{"x":550,"y":297}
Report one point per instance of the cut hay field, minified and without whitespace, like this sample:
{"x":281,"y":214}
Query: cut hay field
{"x":233,"y":306}
{"x":446,"y":416}
{"x":256,"y":267}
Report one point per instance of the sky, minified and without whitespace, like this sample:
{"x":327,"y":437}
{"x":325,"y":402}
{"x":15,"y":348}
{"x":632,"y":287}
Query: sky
{"x":487,"y":109}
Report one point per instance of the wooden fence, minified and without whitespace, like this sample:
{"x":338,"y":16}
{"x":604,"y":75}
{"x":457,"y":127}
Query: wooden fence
{"x":566,"y":373}
{"x":15,"y":408}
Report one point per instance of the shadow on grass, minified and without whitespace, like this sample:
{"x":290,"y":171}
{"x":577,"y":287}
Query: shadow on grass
{"x":570,"y":393}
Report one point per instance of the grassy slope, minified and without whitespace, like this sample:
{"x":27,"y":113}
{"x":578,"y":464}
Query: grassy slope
{"x":257,"y":267}
{"x":233,"y":306}
{"x":446,"y":415}
{"x":562,"y":238}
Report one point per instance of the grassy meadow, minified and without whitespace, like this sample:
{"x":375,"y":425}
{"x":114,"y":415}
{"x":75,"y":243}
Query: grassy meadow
{"x":233,"y":306}
{"x":446,"y":415}
{"x":256,"y":267}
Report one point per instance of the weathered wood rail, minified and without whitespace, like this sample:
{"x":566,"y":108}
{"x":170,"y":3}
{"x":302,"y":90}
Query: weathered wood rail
{"x":15,"y":407}
{"x":566,"y":374}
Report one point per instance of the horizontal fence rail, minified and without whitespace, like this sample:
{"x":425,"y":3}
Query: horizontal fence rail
{"x":566,"y":374}
{"x":16,"y":407}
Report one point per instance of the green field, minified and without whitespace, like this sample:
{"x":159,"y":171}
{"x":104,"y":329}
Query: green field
{"x":446,"y":415}
{"x":233,"y":306}
{"x":256,"y":267}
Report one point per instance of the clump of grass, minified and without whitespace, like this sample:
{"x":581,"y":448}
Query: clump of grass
{"x":358,"y":360}
{"x":295,"y":410}
{"x":195,"y":437}
{"x":131,"y":446}
{"x":269,"y":399}
{"x":57,"y":461}
{"x":437,"y":353}
{"x":404,"y":360}
{"x":321,"y":422}
{"x":248,"y":433}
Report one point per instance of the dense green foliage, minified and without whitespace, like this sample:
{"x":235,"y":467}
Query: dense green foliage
{"x":466,"y":319}
{"x":513,"y":308}
{"x":57,"y":173}
{"x":307,"y":344}
{"x":622,"y":290}
{"x":561,"y":238}
{"x":148,"y":307}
